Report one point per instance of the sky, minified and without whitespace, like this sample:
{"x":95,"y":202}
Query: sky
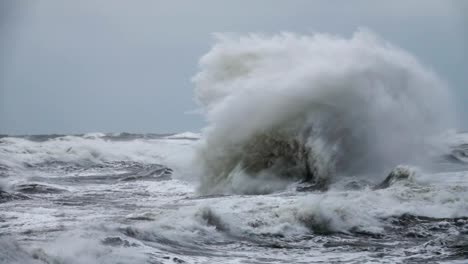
{"x":126,"y":66}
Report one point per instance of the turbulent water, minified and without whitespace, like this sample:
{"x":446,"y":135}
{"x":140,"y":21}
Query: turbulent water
{"x":313,"y":107}
{"x":132,"y":199}
{"x":318,"y":149}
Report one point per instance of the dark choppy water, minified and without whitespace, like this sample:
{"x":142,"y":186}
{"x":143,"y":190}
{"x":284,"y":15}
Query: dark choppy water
{"x":129,"y":198}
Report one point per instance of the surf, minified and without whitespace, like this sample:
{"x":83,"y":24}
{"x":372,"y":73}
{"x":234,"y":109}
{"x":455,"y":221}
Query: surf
{"x":290,"y":107}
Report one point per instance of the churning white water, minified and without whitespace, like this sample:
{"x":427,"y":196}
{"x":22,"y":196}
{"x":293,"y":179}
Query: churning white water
{"x":353,"y":106}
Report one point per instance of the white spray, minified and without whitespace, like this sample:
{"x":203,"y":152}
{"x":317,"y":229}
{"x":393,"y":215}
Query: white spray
{"x":316,"y":106}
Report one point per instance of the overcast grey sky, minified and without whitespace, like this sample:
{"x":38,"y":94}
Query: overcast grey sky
{"x":113,"y":66}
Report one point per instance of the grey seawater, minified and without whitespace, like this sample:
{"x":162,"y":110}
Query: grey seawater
{"x":126,"y":198}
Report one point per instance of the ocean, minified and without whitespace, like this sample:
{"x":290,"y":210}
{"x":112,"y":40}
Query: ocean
{"x":316,"y":149}
{"x":128,"y":198}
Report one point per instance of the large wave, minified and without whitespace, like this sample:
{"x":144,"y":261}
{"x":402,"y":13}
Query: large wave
{"x":311,"y":108}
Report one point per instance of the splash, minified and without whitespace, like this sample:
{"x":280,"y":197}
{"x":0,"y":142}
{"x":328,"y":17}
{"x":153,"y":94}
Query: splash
{"x":294,"y":107}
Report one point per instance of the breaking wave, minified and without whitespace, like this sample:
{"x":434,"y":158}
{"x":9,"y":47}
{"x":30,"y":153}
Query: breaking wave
{"x":311,"y":108}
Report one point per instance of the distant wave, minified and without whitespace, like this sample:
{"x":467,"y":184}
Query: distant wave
{"x":22,"y":152}
{"x":184,"y":135}
{"x":312,"y":107}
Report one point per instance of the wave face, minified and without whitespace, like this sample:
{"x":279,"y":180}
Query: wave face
{"x":312,"y":107}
